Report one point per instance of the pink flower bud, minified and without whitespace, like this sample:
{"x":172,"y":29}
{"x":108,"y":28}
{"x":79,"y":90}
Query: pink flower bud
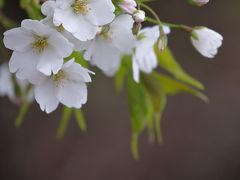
{"x":198,"y":2}
{"x":139,"y":16}
{"x":128,"y":6}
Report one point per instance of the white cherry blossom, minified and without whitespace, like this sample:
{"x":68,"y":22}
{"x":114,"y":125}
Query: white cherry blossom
{"x":107,"y":49}
{"x":36,"y":47}
{"x":83,"y":17}
{"x":206,"y":41}
{"x":48,"y":10}
{"x":6,"y":82}
{"x":68,"y":87}
{"x":144,"y":58}
{"x":7,"y":85}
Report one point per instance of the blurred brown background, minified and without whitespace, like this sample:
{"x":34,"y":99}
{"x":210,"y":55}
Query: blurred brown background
{"x":201,"y":142}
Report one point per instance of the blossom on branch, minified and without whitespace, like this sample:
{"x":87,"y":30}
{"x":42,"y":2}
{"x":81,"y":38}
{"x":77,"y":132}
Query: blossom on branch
{"x":68,"y":87}
{"x":206,"y":41}
{"x":36,"y":48}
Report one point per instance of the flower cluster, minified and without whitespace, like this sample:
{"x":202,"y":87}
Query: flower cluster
{"x":41,"y":49}
{"x":51,"y":56}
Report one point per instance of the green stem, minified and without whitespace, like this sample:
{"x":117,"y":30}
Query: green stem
{"x":158,"y":128}
{"x":151,"y":11}
{"x":176,"y":26}
{"x":22,"y":113}
{"x":67,"y":112}
{"x":162,"y":33}
{"x":80,"y":119}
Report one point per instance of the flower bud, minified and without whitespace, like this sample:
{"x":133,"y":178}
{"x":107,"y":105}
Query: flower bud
{"x":198,"y":2}
{"x":206,"y":41}
{"x":136,"y":28}
{"x":162,"y":42}
{"x":128,"y":6}
{"x":139,"y":16}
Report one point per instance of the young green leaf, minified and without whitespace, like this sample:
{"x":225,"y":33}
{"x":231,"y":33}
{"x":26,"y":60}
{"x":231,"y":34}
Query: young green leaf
{"x":167,"y":61}
{"x":122,"y":73}
{"x":80,"y":119}
{"x":32,"y":8}
{"x":173,"y":87}
{"x":141,"y":110}
{"x":22,"y":113}
{"x":66,"y":116}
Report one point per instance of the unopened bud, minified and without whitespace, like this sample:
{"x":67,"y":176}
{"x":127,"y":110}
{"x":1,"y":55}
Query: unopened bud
{"x":139,"y":16}
{"x":198,"y":2}
{"x":162,"y":42}
{"x":128,"y":6}
{"x":136,"y":28}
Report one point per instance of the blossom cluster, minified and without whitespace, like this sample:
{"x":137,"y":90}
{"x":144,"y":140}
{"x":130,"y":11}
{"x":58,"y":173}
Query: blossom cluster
{"x":103,"y":31}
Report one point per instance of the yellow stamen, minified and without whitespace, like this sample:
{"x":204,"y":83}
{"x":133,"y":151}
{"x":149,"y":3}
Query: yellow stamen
{"x":59,"y":76}
{"x":40,"y":43}
{"x":106,"y":36}
{"x":60,"y":28}
{"x":105,"y":33}
{"x":80,"y":6}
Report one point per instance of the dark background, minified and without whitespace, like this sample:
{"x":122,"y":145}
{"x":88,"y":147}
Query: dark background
{"x":201,"y":142}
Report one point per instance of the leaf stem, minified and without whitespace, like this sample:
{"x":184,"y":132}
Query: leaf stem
{"x":176,"y":26}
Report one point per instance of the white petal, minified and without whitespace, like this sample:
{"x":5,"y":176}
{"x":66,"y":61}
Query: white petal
{"x":49,"y":62}
{"x":148,"y":63}
{"x":102,"y":11}
{"x":63,"y":4}
{"x":24,"y":64}
{"x":166,"y":30}
{"x":76,"y":72}
{"x":207,"y":42}
{"x":67,"y":18}
{"x":136,"y":71}
{"x":121,"y":33}
{"x":6,"y":82}
{"x":46,"y":97}
{"x":104,"y":55}
{"x":61,"y":44}
{"x":37,"y":27}
{"x":48,"y":8}
{"x":72,"y":94}
{"x":18,"y":39}
{"x":86,"y":30}
{"x":78,"y":45}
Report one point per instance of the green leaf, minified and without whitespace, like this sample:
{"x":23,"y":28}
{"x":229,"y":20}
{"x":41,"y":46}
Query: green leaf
{"x":167,"y":61}
{"x":22,"y":113}
{"x":139,"y":105}
{"x":80,"y":119}
{"x":120,"y":76}
{"x":134,"y":146}
{"x":173,"y":87}
{"x":141,"y":111}
{"x":158,"y":119}
{"x":78,"y":59}
{"x":32,"y":8}
{"x":66,"y":115}
{"x":159,"y":100}
{"x":2,"y":2}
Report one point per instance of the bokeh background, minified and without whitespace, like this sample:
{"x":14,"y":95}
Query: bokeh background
{"x":201,"y":141}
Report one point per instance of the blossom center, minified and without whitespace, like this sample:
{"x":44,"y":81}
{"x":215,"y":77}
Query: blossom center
{"x":40,"y":43}
{"x":105,"y":33}
{"x":59,"y":76}
{"x":60,"y":28}
{"x":80,"y":7}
